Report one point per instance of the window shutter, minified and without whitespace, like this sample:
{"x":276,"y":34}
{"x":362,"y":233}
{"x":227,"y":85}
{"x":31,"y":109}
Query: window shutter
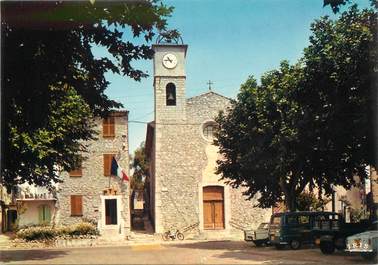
{"x":47,"y":214}
{"x":76,"y":172}
{"x":111,"y":127}
{"x":76,"y":205}
{"x":108,"y":128}
{"x":40,"y":214}
{"x":105,"y":128}
{"x":73,"y":205}
{"x":108,"y":164}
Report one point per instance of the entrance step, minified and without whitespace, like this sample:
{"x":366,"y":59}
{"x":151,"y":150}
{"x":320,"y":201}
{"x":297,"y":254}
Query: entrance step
{"x":110,"y":235}
{"x":135,"y":236}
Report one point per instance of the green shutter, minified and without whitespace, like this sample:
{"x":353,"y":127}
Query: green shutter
{"x":40,"y":214}
{"x":47,"y":214}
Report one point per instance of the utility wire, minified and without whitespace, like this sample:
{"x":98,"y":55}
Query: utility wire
{"x":164,"y":123}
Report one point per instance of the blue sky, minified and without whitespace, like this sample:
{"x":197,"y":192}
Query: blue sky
{"x":228,"y":41}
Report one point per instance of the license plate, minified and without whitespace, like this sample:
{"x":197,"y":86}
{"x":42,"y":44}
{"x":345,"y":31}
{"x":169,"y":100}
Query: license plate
{"x":357,"y":243}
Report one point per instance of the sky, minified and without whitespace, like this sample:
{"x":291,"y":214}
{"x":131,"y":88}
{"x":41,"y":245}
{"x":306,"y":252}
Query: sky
{"x":227,"y":42}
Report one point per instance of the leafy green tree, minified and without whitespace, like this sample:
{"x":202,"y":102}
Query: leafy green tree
{"x":339,"y":98}
{"x":259,"y":140}
{"x":52,"y":82}
{"x":310,"y":123}
{"x":307,"y":201}
{"x":140,"y":165}
{"x":336,"y":4}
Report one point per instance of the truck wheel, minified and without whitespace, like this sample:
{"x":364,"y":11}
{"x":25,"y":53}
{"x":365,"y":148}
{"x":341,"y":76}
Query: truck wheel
{"x":278,"y":246}
{"x":340,"y":243}
{"x":369,"y":256}
{"x":295,"y":244}
{"x":327,"y":247}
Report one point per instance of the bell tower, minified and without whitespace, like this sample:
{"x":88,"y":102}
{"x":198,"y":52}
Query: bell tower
{"x":169,"y":81}
{"x":169,"y":126}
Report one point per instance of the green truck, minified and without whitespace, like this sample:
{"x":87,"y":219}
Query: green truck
{"x":326,"y":229}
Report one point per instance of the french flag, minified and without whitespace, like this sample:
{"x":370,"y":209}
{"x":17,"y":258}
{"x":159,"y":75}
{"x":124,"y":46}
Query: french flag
{"x":118,"y":171}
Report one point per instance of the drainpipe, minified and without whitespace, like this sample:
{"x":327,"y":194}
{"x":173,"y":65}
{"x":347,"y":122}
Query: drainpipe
{"x":333,"y":199}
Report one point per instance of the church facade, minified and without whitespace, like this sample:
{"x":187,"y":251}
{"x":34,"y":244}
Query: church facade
{"x":185,"y":191}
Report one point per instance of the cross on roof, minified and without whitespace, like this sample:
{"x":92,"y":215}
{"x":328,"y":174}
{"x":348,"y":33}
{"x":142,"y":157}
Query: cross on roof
{"x":210,"y":83}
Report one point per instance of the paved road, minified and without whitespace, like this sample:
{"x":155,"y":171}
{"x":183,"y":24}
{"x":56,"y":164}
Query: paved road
{"x":227,"y":252}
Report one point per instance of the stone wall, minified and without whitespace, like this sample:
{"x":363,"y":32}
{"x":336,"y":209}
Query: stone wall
{"x":176,"y":178}
{"x":93,"y":182}
{"x":244,"y":213}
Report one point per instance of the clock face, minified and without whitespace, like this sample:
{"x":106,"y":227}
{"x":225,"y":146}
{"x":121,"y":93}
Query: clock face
{"x":169,"y":61}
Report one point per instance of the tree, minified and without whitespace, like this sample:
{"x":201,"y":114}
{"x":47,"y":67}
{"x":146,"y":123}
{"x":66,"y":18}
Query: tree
{"x":338,"y":96}
{"x":52,"y":84}
{"x":141,"y":167}
{"x":335,"y":4}
{"x":307,"y":201}
{"x":310,"y":123}
{"x":259,"y":140}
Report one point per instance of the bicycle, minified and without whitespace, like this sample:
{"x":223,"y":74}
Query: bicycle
{"x":172,"y":235}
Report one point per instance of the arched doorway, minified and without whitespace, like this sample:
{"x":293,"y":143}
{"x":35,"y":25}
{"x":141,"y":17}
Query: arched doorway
{"x":213,"y":207}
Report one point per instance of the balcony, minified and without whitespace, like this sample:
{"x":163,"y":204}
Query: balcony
{"x":26,"y":192}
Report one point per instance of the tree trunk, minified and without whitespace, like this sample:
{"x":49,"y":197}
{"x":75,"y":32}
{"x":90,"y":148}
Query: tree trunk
{"x":290,"y":201}
{"x":289,"y":194}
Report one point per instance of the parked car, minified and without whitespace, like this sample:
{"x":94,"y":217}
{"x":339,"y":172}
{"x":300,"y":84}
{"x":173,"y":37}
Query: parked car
{"x":365,"y":243}
{"x":336,"y":239}
{"x":260,"y":236}
{"x":297,"y":228}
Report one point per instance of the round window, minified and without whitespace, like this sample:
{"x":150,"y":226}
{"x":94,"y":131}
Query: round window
{"x":208,"y":130}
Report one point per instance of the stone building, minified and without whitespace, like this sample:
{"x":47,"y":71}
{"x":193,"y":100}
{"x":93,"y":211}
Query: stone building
{"x":185,"y":192}
{"x":90,"y":192}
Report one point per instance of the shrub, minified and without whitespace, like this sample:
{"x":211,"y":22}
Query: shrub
{"x":63,"y":230}
{"x":37,"y":233}
{"x":48,"y":233}
{"x":84,"y":229}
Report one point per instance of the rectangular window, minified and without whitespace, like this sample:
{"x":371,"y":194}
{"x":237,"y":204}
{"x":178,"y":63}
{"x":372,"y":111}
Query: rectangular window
{"x":111,"y":212}
{"x":108,"y":127}
{"x":76,"y":205}
{"x":108,"y":164}
{"x":304,"y":219}
{"x":292,"y":220}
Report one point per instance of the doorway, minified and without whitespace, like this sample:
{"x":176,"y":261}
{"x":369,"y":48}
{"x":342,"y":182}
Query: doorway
{"x":213,"y":207}
{"x":110,"y":211}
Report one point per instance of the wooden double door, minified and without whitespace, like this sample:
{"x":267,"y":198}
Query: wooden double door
{"x":213,"y":207}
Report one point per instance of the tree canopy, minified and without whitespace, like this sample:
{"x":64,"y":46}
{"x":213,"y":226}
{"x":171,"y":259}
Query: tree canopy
{"x":140,"y":165}
{"x":310,"y":123}
{"x":52,"y":83}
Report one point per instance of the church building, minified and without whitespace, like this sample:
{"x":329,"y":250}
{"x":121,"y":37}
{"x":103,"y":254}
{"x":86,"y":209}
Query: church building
{"x":185,"y":192}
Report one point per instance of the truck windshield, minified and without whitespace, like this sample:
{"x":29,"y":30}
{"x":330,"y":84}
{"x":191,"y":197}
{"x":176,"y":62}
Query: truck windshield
{"x":276,"y":220}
